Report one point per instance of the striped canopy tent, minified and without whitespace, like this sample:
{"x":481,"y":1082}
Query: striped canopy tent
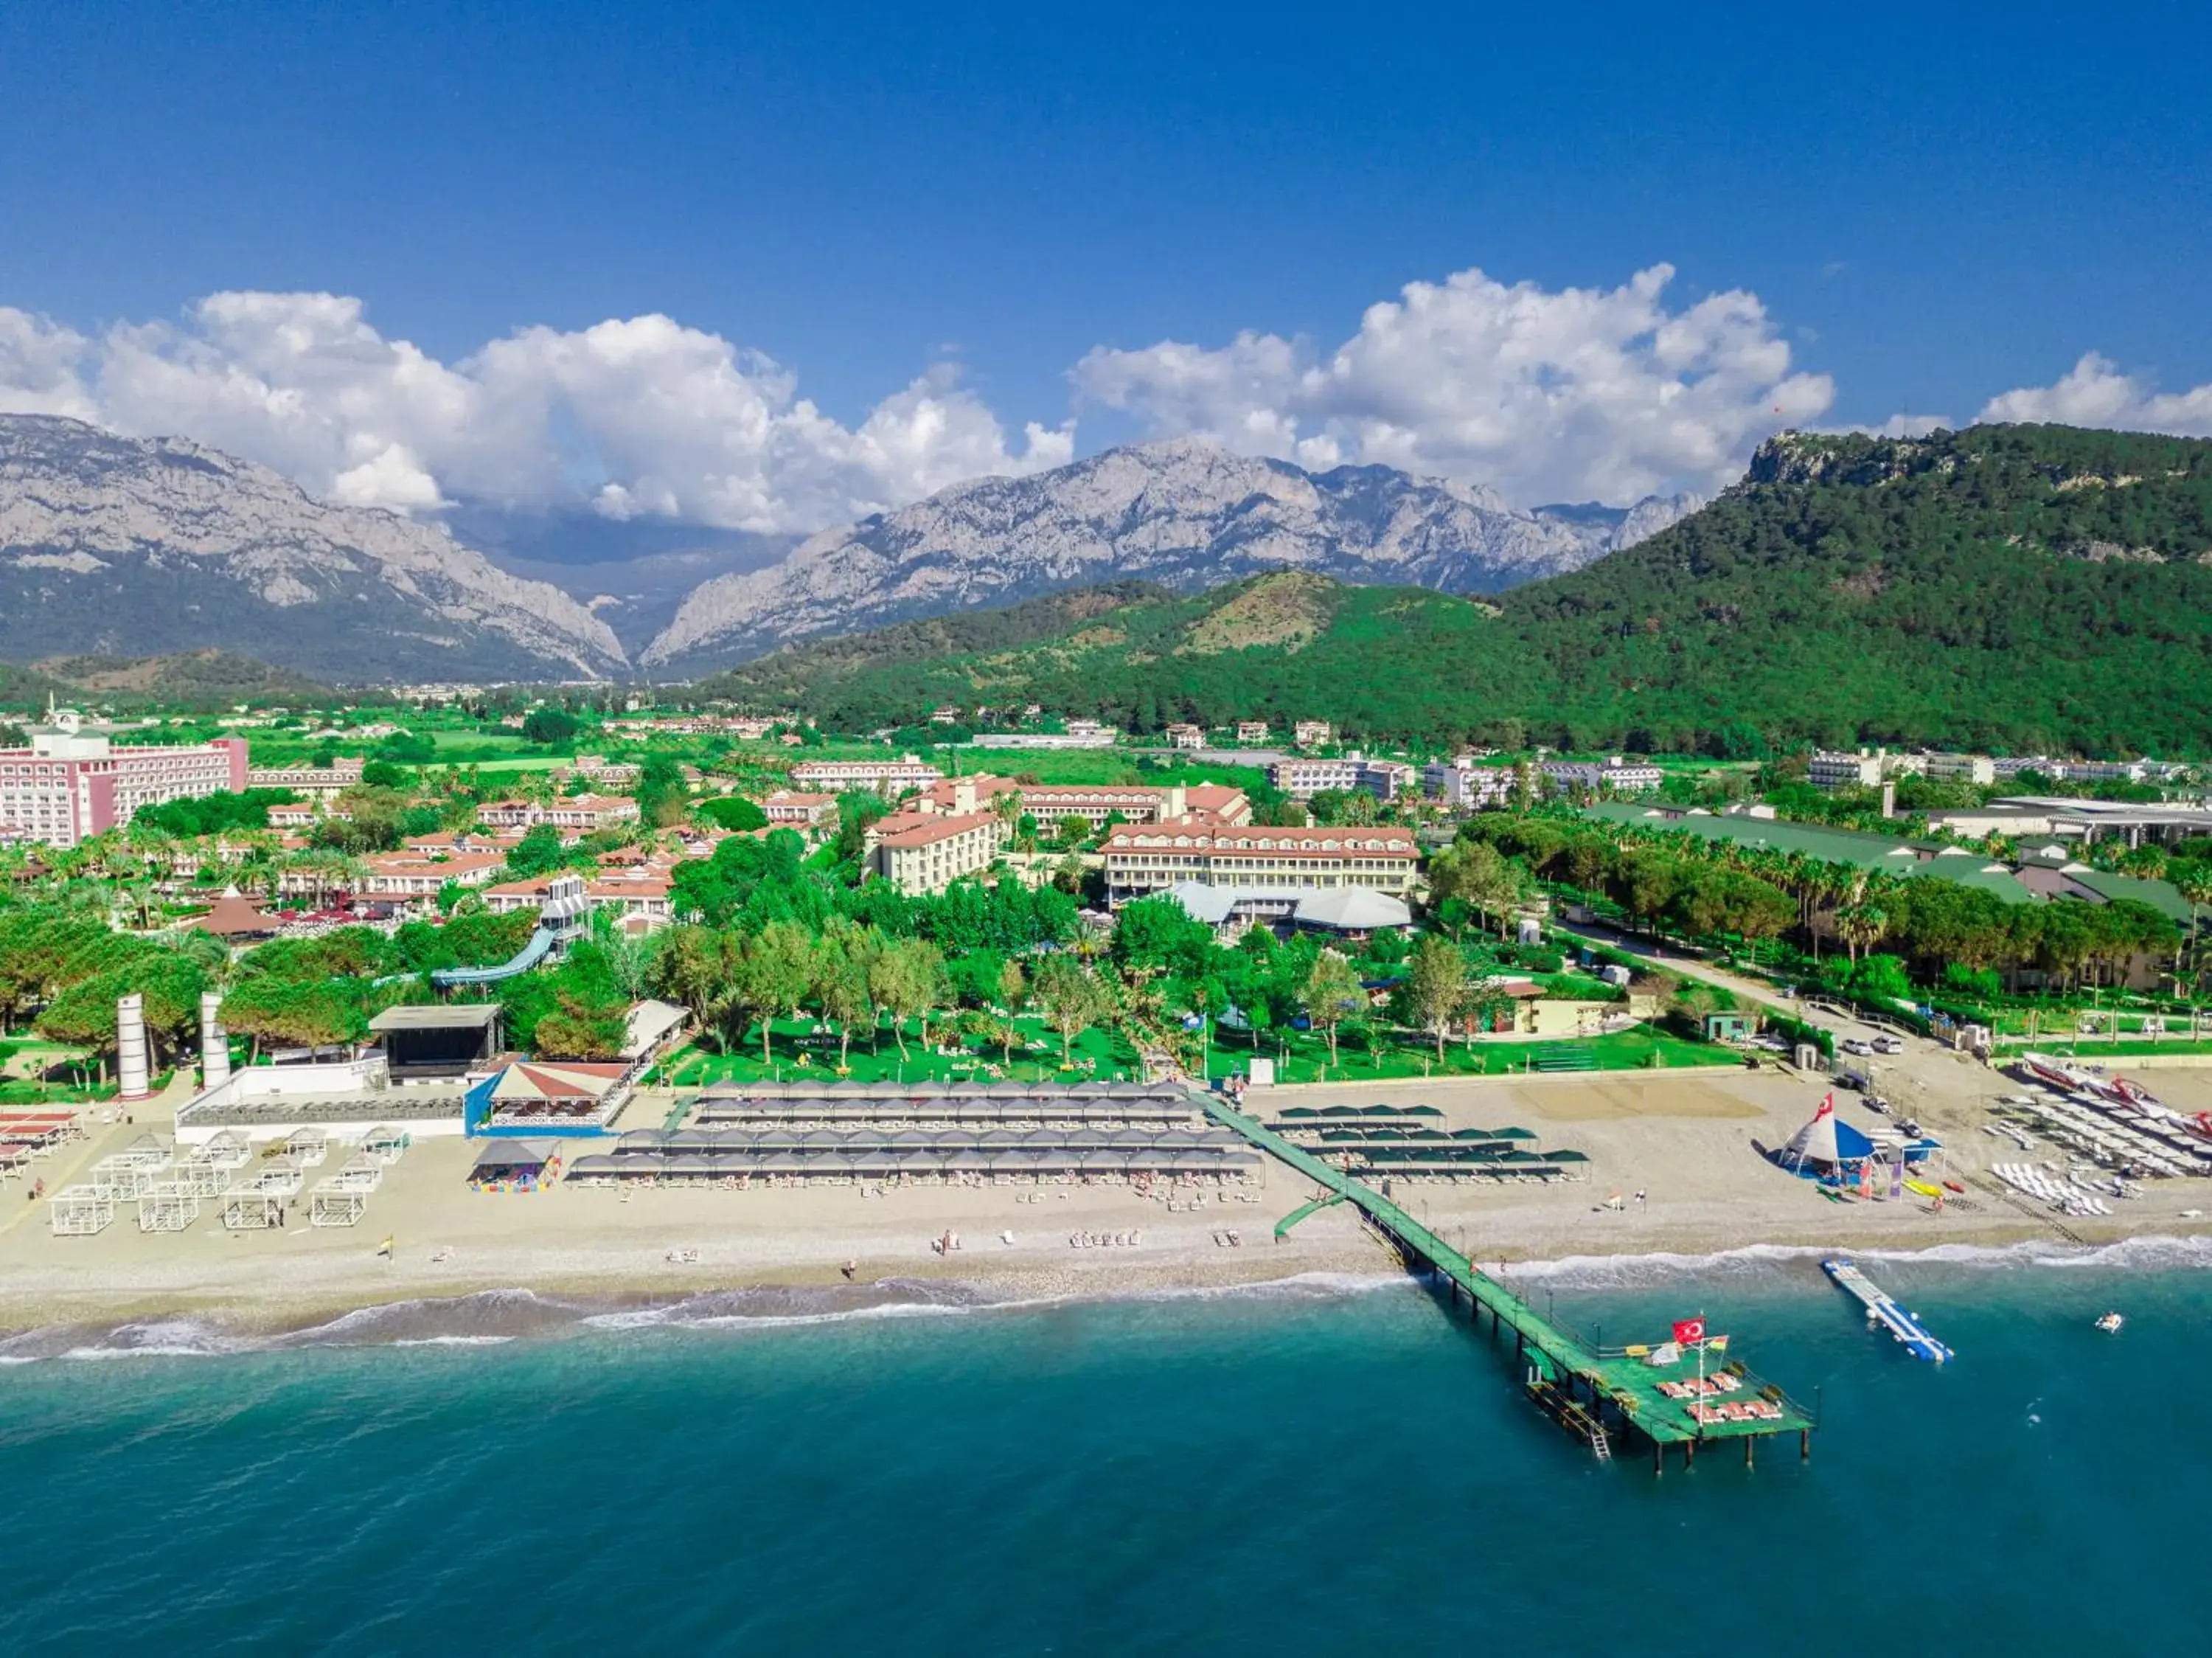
{"x":1826,"y":1144}
{"x":563,"y":1090}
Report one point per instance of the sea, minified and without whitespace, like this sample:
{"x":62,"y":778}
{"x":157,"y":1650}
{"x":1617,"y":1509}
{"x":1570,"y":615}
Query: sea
{"x":1315,"y":1465}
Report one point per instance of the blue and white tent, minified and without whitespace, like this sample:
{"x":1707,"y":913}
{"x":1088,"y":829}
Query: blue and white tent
{"x":1827,"y":1145}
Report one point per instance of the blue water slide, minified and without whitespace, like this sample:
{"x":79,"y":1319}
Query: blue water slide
{"x":539,"y":947}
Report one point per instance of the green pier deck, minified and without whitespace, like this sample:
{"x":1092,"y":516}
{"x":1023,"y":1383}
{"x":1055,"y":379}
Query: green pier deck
{"x":1586,"y":1387}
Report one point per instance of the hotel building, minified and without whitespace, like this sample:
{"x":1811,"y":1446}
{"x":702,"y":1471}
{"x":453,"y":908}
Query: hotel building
{"x":74,"y":781}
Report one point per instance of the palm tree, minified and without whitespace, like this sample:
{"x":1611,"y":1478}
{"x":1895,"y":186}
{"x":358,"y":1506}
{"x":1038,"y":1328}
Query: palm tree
{"x":1862,"y":924}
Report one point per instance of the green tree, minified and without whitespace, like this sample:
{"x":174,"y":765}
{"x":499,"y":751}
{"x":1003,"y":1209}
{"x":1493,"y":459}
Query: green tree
{"x":1862,"y":925}
{"x":1158,"y":934}
{"x":1331,"y":996}
{"x":734,"y":812}
{"x":841,"y":989}
{"x":1435,"y":987}
{"x":856,"y":809}
{"x":699,"y":968}
{"x":662,"y":796}
{"x":1073,"y":998}
{"x":776,"y":975}
{"x":551,"y":727}
{"x":539,"y":852}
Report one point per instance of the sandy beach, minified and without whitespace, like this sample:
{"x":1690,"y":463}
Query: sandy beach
{"x":1688,"y":1141}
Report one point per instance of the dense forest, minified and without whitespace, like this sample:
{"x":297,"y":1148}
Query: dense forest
{"x":2021,"y":588}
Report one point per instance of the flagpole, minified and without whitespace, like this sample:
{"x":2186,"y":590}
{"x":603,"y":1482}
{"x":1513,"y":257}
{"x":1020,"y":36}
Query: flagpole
{"x":1702,"y":1402}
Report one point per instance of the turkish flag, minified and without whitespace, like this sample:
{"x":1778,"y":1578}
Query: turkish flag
{"x":1689,"y":1332}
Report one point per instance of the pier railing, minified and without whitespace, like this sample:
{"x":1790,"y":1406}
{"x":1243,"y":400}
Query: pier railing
{"x":1562,"y":1366}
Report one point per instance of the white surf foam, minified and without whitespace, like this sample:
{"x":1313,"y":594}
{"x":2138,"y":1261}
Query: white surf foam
{"x":2152,"y":1253}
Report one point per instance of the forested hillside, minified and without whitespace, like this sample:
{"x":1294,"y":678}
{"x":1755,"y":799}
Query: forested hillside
{"x":199,"y":679}
{"x":2023,"y":587}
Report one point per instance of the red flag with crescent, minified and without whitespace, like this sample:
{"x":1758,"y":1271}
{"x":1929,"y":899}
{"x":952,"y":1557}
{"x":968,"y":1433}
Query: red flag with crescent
{"x":1688,"y":1332}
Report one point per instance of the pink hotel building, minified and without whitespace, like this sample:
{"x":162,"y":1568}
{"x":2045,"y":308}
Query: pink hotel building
{"x":73,"y":782}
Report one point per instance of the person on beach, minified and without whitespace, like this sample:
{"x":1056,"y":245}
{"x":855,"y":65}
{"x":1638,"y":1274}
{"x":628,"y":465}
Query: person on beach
{"x":848,"y":1269}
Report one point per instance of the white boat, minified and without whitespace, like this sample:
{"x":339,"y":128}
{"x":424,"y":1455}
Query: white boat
{"x":2110,"y":1323}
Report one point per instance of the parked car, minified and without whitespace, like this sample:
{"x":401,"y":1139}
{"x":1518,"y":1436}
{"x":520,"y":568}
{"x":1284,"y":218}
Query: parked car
{"x":1858,"y":1045}
{"x":1887,"y":1044}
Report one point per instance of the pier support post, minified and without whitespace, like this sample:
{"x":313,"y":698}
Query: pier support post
{"x":1749,"y":1441}
{"x":1658,"y":1459}
{"x":1689,"y":1453}
{"x":1804,"y":1444}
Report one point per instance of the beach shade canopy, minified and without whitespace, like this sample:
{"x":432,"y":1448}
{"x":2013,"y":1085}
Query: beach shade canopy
{"x":1825,"y":1142}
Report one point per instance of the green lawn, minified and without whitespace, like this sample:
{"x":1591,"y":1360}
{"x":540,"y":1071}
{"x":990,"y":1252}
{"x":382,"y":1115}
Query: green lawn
{"x":1305,"y":1057}
{"x":527,"y":762}
{"x":2097,"y":1047}
{"x":27,"y":1058}
{"x":803,"y":1054}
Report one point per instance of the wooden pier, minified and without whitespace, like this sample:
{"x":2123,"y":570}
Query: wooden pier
{"x":1594,"y":1393}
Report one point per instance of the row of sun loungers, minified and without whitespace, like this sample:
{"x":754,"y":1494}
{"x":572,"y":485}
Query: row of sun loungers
{"x":1721,"y":1381}
{"x":1744,"y":1409}
{"x":949,"y":1113}
{"x":710,"y":1142}
{"x":2064,"y":1195}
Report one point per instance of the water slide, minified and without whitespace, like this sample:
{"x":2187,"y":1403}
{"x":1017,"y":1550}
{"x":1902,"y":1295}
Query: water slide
{"x":540,"y":946}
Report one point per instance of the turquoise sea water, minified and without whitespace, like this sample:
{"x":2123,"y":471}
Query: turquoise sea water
{"x":1315,"y":1467}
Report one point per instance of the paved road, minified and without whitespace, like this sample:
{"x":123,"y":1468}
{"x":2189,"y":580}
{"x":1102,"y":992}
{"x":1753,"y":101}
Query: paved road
{"x":1923,"y":1063}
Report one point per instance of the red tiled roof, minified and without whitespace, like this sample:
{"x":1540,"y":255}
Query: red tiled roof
{"x":918,"y":829}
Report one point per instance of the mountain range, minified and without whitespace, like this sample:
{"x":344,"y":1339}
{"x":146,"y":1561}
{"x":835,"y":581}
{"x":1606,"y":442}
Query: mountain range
{"x":1184,"y":514}
{"x":2023,"y":589}
{"x":121,"y":546}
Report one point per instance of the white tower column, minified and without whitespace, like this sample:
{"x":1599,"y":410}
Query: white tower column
{"x":130,"y":1067}
{"x":214,"y":1044}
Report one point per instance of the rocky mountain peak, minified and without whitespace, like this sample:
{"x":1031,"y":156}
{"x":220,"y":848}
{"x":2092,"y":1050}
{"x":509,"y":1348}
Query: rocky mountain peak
{"x":1182,"y":512}
{"x":130,"y":545}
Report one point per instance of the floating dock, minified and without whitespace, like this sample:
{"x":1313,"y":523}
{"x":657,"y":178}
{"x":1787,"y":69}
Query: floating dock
{"x":1593,"y":1391}
{"x":1911,"y":1333}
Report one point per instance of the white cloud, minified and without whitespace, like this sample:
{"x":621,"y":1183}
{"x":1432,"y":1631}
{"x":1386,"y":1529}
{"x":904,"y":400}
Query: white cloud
{"x":1547,"y":395}
{"x":2095,"y":392}
{"x":636,"y":416}
{"x":38,"y":366}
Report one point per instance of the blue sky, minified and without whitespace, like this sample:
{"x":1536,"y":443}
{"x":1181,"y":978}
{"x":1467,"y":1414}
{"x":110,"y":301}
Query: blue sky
{"x":1932,"y":210}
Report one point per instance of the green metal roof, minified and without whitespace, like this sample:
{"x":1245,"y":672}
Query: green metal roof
{"x":2161,"y":895}
{"x":1976,"y":872}
{"x":1896,"y":855}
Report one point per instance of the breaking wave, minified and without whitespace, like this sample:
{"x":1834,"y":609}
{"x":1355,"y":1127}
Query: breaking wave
{"x":493,"y":1318}
{"x":2152,"y":1253}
